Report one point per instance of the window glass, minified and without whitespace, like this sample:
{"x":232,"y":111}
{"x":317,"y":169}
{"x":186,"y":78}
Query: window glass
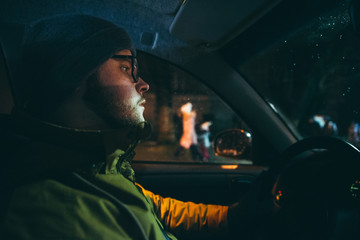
{"x":312,"y":75}
{"x":185,"y":116}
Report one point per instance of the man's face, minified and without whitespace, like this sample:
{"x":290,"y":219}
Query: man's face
{"x":115,"y":94}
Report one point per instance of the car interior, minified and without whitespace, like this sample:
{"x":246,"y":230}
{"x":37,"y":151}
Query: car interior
{"x":227,"y":58}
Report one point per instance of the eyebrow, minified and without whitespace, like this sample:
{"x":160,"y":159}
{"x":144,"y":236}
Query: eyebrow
{"x":129,"y":58}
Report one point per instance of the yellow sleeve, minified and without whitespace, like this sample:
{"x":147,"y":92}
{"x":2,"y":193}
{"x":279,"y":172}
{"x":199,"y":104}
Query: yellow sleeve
{"x":179,"y":217}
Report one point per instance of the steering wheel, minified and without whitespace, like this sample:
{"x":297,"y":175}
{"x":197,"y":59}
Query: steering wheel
{"x":317,"y":190}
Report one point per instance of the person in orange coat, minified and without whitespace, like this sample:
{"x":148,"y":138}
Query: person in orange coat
{"x":188,"y":138}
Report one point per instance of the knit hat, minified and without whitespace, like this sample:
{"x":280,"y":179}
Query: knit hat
{"x":60,"y":52}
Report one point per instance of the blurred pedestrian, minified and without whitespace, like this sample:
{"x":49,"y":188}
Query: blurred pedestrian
{"x":204,"y":140}
{"x":188,"y":138}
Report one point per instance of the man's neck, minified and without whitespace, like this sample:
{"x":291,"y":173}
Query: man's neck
{"x":125,"y":136}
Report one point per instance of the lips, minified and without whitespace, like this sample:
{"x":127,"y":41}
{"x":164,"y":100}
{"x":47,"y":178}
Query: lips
{"x":142,"y":102}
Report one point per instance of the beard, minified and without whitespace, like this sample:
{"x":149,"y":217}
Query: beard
{"x":108,"y":103}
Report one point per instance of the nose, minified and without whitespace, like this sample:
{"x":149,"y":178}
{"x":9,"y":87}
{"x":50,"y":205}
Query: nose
{"x":142,"y":86}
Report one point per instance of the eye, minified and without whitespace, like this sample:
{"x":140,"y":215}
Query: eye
{"x":125,"y":68}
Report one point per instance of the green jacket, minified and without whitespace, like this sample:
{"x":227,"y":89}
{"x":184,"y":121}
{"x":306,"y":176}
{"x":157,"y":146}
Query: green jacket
{"x":99,"y":202}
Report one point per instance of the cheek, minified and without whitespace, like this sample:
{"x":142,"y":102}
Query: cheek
{"x":115,"y":85}
{"x":114,"y":94}
{"x":120,"y":95}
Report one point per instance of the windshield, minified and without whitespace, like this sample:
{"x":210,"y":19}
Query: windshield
{"x":311,"y":75}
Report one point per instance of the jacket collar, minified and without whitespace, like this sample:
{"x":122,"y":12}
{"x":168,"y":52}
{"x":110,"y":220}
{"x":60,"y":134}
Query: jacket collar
{"x":53,"y":147}
{"x":24,"y":124}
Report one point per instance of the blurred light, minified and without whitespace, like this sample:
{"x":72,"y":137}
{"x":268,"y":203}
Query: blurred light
{"x":229,"y":167}
{"x":320,"y":120}
{"x":273,"y":107}
{"x":278,"y":196}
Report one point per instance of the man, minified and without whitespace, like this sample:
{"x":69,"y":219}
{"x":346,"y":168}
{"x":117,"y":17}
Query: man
{"x":72,"y":139}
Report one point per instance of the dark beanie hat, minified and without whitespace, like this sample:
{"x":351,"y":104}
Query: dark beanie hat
{"x":60,"y":52}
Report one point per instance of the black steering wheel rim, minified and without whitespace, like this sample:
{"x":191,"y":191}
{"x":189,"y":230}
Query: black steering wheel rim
{"x":318,"y":142}
{"x":347,"y":203}
{"x":349,"y":153}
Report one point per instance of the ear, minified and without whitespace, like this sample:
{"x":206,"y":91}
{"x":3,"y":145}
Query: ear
{"x":74,"y":112}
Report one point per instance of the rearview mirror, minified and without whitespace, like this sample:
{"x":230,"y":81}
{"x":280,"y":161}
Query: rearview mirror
{"x":234,"y":143}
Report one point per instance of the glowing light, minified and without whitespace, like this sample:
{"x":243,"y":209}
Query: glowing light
{"x":229,"y":167}
{"x":278,"y":196}
{"x":320,"y":120}
{"x":273,"y":107}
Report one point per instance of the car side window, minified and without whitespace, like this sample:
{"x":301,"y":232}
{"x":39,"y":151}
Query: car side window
{"x":185,"y":116}
{"x":312,"y":76}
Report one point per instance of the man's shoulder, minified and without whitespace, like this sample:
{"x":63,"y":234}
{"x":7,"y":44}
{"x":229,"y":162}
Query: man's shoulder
{"x":50,"y":207}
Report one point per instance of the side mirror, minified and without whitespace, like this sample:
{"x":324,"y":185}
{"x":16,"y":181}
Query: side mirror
{"x":234,"y":143}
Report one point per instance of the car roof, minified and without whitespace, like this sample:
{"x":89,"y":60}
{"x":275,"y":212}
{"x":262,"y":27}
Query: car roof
{"x":161,"y":27}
